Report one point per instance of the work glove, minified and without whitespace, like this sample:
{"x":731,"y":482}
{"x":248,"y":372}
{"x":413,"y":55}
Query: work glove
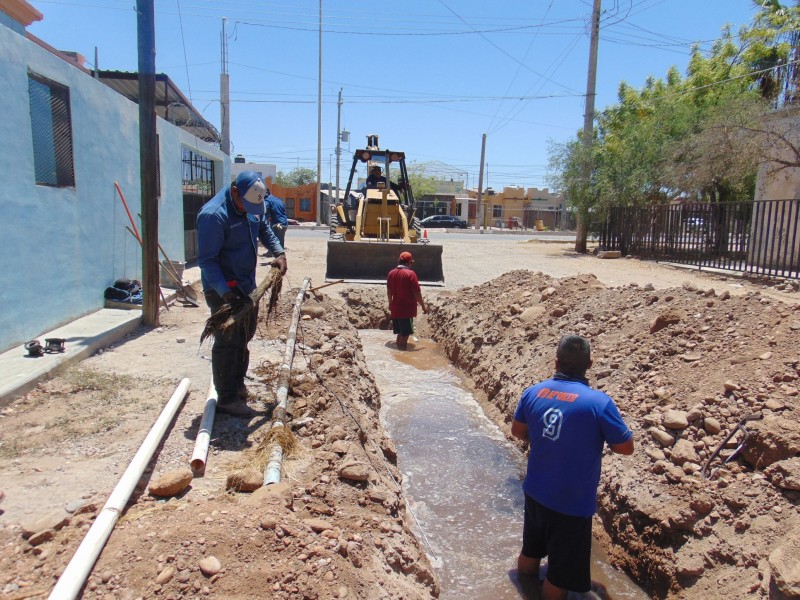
{"x":235,"y":296}
{"x":279,"y":262}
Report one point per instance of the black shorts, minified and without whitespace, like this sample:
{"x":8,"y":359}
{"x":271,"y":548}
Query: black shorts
{"x":404,"y":327}
{"x":566,"y":542}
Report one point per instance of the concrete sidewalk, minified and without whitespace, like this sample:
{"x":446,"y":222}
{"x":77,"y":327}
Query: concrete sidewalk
{"x":20,"y":373}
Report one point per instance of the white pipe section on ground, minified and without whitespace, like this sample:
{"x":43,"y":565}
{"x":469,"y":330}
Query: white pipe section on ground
{"x":198,"y":462}
{"x":71,"y":581}
{"x":272,"y":472}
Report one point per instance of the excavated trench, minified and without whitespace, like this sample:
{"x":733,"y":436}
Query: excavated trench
{"x":461,"y":477}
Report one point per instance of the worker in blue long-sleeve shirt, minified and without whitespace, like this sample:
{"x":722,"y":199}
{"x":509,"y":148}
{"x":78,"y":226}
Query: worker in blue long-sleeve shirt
{"x":276,"y":215}
{"x":229,"y":227}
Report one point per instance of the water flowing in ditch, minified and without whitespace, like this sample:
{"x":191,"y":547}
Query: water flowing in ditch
{"x":461,"y":477}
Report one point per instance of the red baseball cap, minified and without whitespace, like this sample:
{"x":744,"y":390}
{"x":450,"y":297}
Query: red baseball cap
{"x":406,"y":257}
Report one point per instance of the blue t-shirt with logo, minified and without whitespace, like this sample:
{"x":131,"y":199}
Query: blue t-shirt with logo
{"x":568,"y":424}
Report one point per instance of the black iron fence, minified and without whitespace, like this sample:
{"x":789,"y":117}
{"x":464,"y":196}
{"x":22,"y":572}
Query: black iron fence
{"x":761,"y":237}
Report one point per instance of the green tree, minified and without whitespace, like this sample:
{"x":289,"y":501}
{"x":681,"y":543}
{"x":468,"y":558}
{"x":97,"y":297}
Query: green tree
{"x":296,"y":177}
{"x":771,"y":46}
{"x":421,"y":184}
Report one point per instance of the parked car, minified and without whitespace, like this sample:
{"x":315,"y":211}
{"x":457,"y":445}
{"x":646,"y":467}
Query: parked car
{"x":443,"y":221}
{"x":695,"y":224}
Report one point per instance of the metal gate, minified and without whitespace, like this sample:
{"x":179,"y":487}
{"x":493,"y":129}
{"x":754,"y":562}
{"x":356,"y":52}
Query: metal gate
{"x":761,"y":237}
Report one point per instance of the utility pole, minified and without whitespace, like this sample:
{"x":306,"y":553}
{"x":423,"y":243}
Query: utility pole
{"x":225,"y":92}
{"x":148,"y":148}
{"x":338,"y":141}
{"x":319,"y":123}
{"x":588,"y":128}
{"x":481,"y":224}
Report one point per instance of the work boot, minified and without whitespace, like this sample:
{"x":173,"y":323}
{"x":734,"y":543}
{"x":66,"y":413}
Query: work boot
{"x":236,"y":409}
{"x":242,"y":393}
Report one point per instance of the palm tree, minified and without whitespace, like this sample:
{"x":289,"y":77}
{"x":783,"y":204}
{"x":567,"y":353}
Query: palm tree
{"x":776,"y":33}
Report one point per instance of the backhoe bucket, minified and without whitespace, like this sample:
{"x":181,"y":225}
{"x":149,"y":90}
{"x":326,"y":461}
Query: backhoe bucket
{"x":370,"y":262}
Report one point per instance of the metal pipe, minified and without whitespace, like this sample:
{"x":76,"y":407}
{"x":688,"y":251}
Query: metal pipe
{"x":272,"y":472}
{"x":198,"y":462}
{"x":71,"y":581}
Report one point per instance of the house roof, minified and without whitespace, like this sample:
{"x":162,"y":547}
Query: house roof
{"x":171,"y":104}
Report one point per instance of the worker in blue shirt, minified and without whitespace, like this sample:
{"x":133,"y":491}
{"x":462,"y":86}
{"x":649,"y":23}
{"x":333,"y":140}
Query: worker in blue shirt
{"x":229,"y":227}
{"x":276,"y":216}
{"x":567,"y":424}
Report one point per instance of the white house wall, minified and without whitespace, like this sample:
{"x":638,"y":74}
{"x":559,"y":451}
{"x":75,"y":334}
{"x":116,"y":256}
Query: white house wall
{"x":64,"y":246}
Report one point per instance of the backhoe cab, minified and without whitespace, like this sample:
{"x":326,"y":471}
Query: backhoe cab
{"x":376,"y":222}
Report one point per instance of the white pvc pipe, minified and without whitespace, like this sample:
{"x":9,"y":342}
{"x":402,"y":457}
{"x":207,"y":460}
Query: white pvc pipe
{"x":272,"y":472}
{"x":198,"y":462}
{"x":71,"y":581}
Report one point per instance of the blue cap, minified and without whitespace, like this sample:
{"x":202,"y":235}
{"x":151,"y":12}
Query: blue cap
{"x":252,"y":190}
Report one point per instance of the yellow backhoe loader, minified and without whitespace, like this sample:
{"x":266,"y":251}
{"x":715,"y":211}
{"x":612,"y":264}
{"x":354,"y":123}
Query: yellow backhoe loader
{"x":375,"y":223}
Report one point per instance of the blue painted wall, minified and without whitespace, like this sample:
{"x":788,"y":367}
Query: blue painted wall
{"x":63,"y":246}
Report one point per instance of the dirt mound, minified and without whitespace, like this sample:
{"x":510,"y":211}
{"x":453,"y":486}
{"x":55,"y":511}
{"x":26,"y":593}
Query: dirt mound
{"x":684,"y":365}
{"x":336,"y":527}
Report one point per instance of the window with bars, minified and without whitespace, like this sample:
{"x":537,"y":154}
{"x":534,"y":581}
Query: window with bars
{"x":497,"y":210}
{"x":51,"y":127}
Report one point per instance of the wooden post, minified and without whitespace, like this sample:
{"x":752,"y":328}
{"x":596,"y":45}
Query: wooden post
{"x":148,"y":164}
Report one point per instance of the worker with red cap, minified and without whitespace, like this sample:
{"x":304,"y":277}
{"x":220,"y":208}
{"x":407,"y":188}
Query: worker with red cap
{"x":404,"y":293}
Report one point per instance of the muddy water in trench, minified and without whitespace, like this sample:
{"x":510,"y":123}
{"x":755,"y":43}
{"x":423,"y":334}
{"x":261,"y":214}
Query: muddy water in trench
{"x":462,"y":478}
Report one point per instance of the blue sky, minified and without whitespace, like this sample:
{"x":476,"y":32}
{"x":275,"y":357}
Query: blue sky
{"x":430,"y":77}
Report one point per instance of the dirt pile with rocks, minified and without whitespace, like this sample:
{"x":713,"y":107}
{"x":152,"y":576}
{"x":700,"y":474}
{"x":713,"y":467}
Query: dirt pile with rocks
{"x":684,"y":365}
{"x":335,"y":527}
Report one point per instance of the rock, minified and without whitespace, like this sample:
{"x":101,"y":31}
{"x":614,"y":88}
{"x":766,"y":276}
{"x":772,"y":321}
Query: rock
{"x":730,"y":386}
{"x":655,"y":454}
{"x":381,"y":496}
{"x":209,"y":565}
{"x":675,"y":419}
{"x":318,"y":525}
{"x":773,"y":404}
{"x":784,"y":562}
{"x":53,"y":520}
{"x":268,"y":522}
{"x":682,"y":452}
{"x":667,"y":318}
{"x":692,"y":356}
{"x":276,"y":494}
{"x":171,"y":483}
{"x":785,"y":474}
{"x":336,"y":433}
{"x":662,"y":437}
{"x":690,"y":564}
{"x":771,"y":440}
{"x":40,"y":537}
{"x":355,"y":472}
{"x":167,"y":573}
{"x":609,"y":254}
{"x":340,"y":447}
{"x":701,"y":503}
{"x":312,"y":311}
{"x":246,"y":480}
{"x":532,"y":314}
{"x":711,"y":426}
{"x":80,"y":506}
{"x":549,"y":292}
{"x":329,"y":367}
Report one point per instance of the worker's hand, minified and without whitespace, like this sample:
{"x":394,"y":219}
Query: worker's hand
{"x":235,"y":296}
{"x":424,"y":311}
{"x":279,"y":262}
